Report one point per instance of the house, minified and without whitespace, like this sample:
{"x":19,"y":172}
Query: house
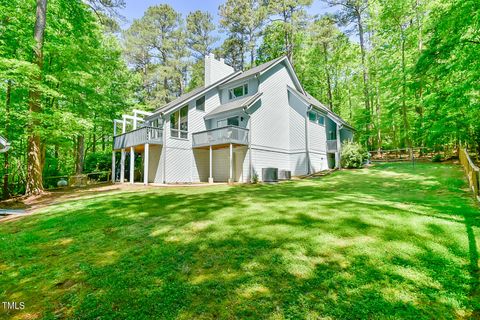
{"x":4,"y":145}
{"x":230,"y":129}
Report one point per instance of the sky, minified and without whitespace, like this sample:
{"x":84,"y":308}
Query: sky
{"x":135,"y":8}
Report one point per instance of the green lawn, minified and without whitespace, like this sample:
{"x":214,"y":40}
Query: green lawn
{"x":390,"y":241}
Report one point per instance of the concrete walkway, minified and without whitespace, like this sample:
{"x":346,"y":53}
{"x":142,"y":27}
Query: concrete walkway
{"x":11,"y":211}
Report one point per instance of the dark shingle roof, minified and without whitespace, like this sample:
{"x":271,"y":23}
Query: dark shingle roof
{"x":311,"y":100}
{"x":187,"y":96}
{"x":181,"y":99}
{"x":257,"y":69}
{"x":234,"y":105}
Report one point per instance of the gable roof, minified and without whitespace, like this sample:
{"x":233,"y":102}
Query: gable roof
{"x":310,"y":100}
{"x":261,"y":69}
{"x":184,"y":98}
{"x":234,"y":105}
{"x":258,"y":69}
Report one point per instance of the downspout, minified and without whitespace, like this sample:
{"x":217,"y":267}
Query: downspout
{"x":307,"y":150}
{"x":164,"y":148}
{"x":250,"y":167}
{"x":339,"y":145}
{"x":250,"y":119}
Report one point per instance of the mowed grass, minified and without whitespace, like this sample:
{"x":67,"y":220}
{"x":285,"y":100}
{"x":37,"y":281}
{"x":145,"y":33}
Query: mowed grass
{"x":387,"y":242}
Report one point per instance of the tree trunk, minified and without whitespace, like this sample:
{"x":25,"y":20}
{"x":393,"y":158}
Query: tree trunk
{"x":327,"y":74}
{"x":34,"y":183}
{"x":103,"y":141}
{"x":94,"y":139}
{"x":406,"y":128}
{"x":365,"y":75}
{"x":6,"y":193}
{"x":80,"y":154}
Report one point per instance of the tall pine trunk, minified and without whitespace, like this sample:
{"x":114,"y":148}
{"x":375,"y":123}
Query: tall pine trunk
{"x":34,"y":183}
{"x":366,"y":94}
{"x":80,"y":154}
{"x":327,"y":74}
{"x":406,"y":126}
{"x":6,"y":164}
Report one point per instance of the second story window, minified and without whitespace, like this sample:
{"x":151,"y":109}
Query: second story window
{"x":200,"y":104}
{"x":316,"y":117}
{"x":232,"y":121}
{"x":237,"y":92}
{"x":321,"y":120}
{"x":179,"y":123}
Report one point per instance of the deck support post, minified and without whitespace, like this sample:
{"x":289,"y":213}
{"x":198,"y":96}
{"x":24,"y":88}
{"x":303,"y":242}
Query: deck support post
{"x":122,"y":166}
{"x":210,"y":172}
{"x":145,"y":164}
{"x":113,"y":166}
{"x":132,"y":165}
{"x":339,"y":147}
{"x":230,"y":180}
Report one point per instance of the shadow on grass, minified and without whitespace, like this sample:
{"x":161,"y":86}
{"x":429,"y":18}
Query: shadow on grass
{"x":344,"y":246}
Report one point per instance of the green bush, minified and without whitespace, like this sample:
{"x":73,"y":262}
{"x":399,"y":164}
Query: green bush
{"x":353,"y":155}
{"x":98,"y":161}
{"x":437,"y":158}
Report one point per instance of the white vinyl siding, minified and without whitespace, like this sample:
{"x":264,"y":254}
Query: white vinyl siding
{"x":270,"y":121}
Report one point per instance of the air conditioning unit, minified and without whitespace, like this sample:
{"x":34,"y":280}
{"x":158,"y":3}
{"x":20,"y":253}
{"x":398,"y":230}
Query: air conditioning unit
{"x":284,"y":175}
{"x":270,"y":174}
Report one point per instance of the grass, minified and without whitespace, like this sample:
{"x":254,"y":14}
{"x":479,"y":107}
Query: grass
{"x":390,"y":241}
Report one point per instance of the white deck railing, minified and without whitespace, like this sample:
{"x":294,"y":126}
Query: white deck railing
{"x":224,"y":135}
{"x":137,"y":137}
{"x":331,"y":145}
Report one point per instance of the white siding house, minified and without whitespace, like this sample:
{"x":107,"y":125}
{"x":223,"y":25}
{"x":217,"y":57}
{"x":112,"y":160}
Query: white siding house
{"x":230,"y":129}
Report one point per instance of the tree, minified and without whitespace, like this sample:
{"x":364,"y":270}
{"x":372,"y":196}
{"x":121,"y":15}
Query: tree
{"x":155,"y":47}
{"x":34,"y":159}
{"x":292,"y":15}
{"x":243,"y":21}
{"x":199,"y":33}
{"x":355,"y":11}
{"x":77,"y":91}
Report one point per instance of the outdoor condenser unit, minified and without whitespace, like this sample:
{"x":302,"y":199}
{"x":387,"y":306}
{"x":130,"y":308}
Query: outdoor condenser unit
{"x":270,"y":174}
{"x":284,"y":175}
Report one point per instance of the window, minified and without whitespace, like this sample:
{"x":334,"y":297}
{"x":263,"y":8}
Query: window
{"x":332,"y":135}
{"x":321,"y":120}
{"x":200,"y":104}
{"x":232,"y":121}
{"x":238,"y":91}
{"x":179,"y":123}
{"x":316,"y":117}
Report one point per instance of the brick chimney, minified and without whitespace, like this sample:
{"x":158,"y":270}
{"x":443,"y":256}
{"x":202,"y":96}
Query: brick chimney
{"x":215,"y":69}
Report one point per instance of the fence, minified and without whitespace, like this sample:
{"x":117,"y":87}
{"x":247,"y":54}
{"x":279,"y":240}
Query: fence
{"x":77,"y":180}
{"x":406,"y":154}
{"x":471,"y":170}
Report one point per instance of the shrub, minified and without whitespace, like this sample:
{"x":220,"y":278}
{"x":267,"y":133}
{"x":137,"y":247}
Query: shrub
{"x":254,"y":177}
{"x":353,"y":155}
{"x":437,"y":158}
{"x":98,"y":161}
